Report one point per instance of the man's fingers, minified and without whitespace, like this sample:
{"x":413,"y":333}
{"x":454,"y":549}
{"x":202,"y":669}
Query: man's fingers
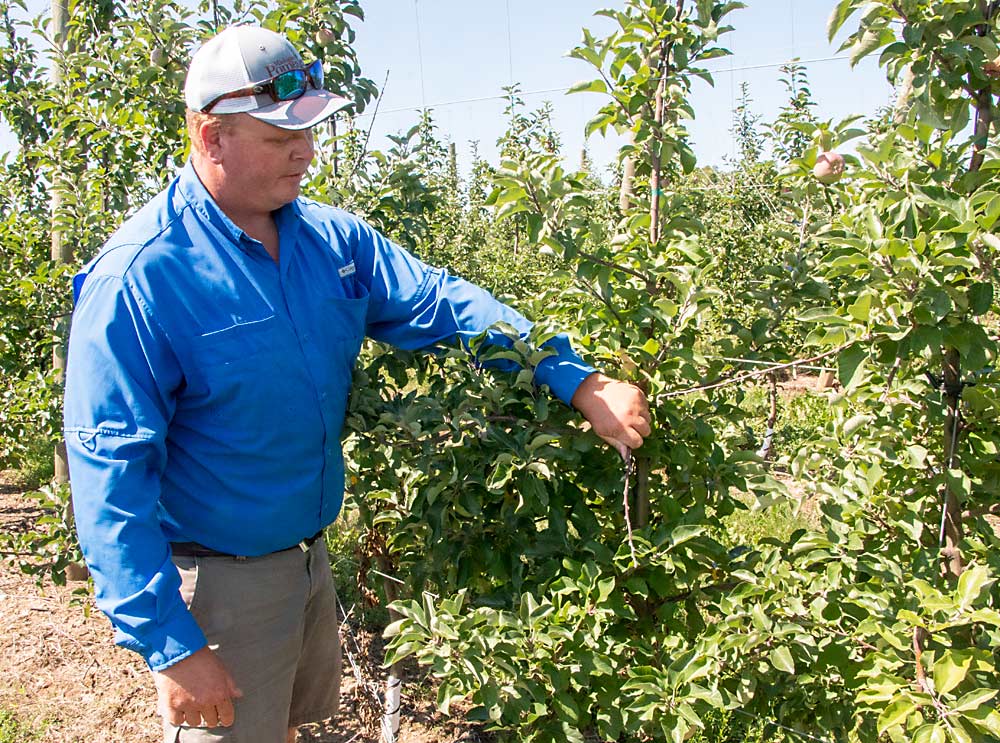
{"x":210,"y":715}
{"x":631,"y":438}
{"x":174,"y":716}
{"x":618,"y":446}
{"x":227,"y":715}
{"x":192,"y":718}
{"x":623,"y":441}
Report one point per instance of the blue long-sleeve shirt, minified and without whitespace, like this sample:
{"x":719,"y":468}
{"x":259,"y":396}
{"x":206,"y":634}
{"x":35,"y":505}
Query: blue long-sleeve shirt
{"x":206,"y":387}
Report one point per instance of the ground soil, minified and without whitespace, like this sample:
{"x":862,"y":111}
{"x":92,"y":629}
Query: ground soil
{"x":61,"y":675}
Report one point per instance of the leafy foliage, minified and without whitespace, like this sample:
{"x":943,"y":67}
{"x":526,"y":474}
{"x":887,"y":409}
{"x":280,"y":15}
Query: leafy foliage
{"x":565,"y":593}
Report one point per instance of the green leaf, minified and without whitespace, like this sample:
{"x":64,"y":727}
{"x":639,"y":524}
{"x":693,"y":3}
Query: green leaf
{"x":781,"y":658}
{"x":950,"y":669}
{"x":870,"y":40}
{"x":971,"y":584}
{"x":856,"y":422}
{"x":980,"y":298}
{"x":974,"y":700}
{"x":844,"y":10}
{"x":895,"y":714}
{"x":851,"y":364}
{"x":861,"y":309}
{"x":588,"y":86}
{"x":652,"y":347}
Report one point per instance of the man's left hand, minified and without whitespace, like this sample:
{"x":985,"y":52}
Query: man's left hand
{"x":618,"y":411}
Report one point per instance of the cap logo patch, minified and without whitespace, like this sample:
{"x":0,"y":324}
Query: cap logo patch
{"x":284,"y":65}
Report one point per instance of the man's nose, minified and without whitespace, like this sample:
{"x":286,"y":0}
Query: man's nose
{"x":304,"y":146}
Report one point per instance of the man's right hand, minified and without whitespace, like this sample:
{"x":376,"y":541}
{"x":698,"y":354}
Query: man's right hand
{"x":195,"y":689}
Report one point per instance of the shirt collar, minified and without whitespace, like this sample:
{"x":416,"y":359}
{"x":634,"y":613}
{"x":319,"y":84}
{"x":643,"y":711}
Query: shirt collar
{"x":195,"y":193}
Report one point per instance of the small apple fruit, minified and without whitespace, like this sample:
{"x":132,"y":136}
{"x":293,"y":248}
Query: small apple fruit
{"x":829,"y":168}
{"x":992,"y":69}
{"x":325,"y":36}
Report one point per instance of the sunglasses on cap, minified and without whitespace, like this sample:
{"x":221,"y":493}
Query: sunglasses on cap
{"x":284,"y":87}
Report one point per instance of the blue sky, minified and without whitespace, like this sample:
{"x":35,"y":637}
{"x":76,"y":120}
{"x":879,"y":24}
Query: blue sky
{"x":469,"y":50}
{"x":453,"y":51}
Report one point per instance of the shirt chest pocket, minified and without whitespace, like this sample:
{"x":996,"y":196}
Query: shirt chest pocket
{"x":341,"y":328}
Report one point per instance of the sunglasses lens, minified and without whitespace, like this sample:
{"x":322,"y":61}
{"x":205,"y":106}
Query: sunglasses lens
{"x":315,"y":72}
{"x":290,"y":85}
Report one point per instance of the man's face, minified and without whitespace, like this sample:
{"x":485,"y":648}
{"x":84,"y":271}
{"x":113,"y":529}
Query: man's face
{"x":263,"y":164}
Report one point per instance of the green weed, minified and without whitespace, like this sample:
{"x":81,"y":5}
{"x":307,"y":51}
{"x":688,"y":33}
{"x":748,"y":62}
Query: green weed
{"x":723,"y":726}
{"x":801,"y":416}
{"x":13,"y":730}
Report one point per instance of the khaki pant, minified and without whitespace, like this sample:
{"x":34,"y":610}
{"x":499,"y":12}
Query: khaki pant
{"x":273,"y":622}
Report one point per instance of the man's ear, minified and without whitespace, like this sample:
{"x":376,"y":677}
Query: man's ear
{"x":211,"y":133}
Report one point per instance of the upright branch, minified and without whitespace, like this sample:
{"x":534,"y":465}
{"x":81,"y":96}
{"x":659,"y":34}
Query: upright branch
{"x":982,"y":98}
{"x":951,"y":517}
{"x":656,"y":160}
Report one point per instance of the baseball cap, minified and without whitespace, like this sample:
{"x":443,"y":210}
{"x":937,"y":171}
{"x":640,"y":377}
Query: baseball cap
{"x":243,"y":56}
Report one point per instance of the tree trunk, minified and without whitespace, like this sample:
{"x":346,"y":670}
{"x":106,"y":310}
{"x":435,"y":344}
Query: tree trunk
{"x":772,"y":418}
{"x":951,"y":516}
{"x":642,"y":463}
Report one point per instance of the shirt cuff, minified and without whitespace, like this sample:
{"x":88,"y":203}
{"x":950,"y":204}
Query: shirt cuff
{"x":169,"y":643}
{"x":562,"y":375}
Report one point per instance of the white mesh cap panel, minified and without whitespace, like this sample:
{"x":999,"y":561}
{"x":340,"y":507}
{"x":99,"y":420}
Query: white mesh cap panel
{"x":236,"y":58}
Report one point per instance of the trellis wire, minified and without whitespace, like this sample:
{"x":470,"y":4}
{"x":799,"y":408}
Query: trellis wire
{"x":420,"y":54}
{"x":750,"y":375}
{"x":543,"y":91}
{"x":769,"y":364}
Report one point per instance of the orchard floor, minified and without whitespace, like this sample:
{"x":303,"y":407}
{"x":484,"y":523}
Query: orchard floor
{"x":62,"y":677}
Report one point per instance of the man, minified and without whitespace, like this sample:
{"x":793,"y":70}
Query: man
{"x":209,"y":367}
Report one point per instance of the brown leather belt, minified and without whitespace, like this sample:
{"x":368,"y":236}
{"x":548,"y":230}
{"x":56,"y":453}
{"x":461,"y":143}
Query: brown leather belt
{"x":193,"y":549}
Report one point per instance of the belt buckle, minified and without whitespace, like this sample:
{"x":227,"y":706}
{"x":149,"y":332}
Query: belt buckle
{"x":304,"y":545}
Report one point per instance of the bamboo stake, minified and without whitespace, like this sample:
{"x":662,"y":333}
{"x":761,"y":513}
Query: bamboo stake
{"x":60,"y":251}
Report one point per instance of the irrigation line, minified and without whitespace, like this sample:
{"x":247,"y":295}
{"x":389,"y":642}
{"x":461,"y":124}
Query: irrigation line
{"x":543,"y":91}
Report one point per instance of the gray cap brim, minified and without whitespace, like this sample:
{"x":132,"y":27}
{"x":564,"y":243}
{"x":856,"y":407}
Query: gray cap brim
{"x":303,"y":112}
